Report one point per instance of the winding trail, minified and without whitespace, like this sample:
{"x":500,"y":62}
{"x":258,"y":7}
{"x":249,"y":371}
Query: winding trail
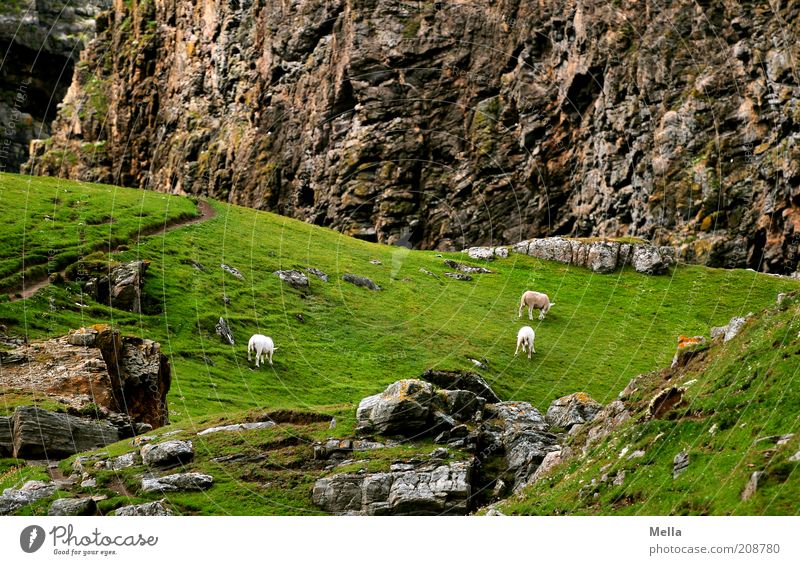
{"x":205,"y":210}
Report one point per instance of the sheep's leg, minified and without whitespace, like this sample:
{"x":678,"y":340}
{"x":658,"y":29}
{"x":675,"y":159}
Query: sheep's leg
{"x":248,"y":353}
{"x":530,"y":312}
{"x":270,"y":357}
{"x":517,"y":350}
{"x":541,"y":314}
{"x":521,"y":306}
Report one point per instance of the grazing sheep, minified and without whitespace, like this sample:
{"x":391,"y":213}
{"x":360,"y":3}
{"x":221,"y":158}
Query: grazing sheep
{"x":263,"y":346}
{"x":525,"y":338}
{"x":536,"y":300}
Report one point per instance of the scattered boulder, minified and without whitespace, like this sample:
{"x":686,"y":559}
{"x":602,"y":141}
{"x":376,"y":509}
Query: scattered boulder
{"x":237,"y":427}
{"x":13,"y":499}
{"x":360,"y":281}
{"x":224,"y":331}
{"x":484,"y":253}
{"x":120,"y":462}
{"x":461,"y":380}
{"x":465,"y":268}
{"x":233,"y":271}
{"x":795,"y":457}
{"x":343,"y":447}
{"x":73,"y":507}
{"x":458,"y":276}
{"x":168,"y":453}
{"x":752,"y":485}
{"x":431,"y":489}
{"x":571,"y":410}
{"x":403,"y":408}
{"x":649,"y":260}
{"x":293,"y":278}
{"x":731,"y":329}
{"x":125,"y":285}
{"x":156,"y":508}
{"x":679,"y":464}
{"x":178,"y":482}
{"x":317,"y":273}
{"x":41,"y":434}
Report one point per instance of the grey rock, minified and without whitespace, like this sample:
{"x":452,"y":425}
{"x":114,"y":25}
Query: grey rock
{"x":340,"y":447}
{"x":41,"y":434}
{"x":235,"y":272}
{"x":439,"y":453}
{"x":168,"y":453}
{"x":679,"y":464}
{"x":6,"y":439}
{"x":603,"y":257}
{"x":89,"y":483}
{"x":647,"y":259}
{"x":293,"y":278}
{"x":461,"y":380}
{"x":317,"y":273}
{"x":795,"y":457}
{"x":73,"y":507}
{"x":462,"y":405}
{"x":458,"y":276}
{"x":156,"y":508}
{"x":13,"y":499}
{"x":525,"y":437}
{"x":731,"y":329}
{"x":224,"y":332}
{"x":178,"y":482}
{"x":568,"y":411}
{"x":405,"y":407}
{"x":121,"y":462}
{"x":360,"y":281}
{"x":484,"y":253}
{"x":550,"y":461}
{"x":464,"y":268}
{"x":126,"y":283}
{"x":752,"y":485}
{"x":429,"y":489}
{"x":238,"y":427}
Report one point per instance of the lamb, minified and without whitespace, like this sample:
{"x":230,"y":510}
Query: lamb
{"x":536,"y":300}
{"x":525,"y":338}
{"x":263,"y":346}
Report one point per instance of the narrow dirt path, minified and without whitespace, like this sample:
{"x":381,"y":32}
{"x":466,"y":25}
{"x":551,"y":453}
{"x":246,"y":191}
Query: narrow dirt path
{"x":206,"y":212}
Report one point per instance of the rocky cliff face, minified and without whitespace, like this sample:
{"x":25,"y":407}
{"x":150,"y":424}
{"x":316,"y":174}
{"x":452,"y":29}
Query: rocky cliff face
{"x":446,"y":124}
{"x":41,"y":41}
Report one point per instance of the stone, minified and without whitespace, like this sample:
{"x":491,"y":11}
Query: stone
{"x":126,"y":283}
{"x":360,"y":281}
{"x":613,"y":415}
{"x":121,"y":462}
{"x":85,"y":337}
{"x":525,"y":438}
{"x":462,"y":405}
{"x":238,"y":427}
{"x":603,"y":257}
{"x":430,"y":489}
{"x":341,"y":447}
{"x":483,"y":253}
{"x":648,"y":260}
{"x":403,"y":408}
{"x":752,"y":485}
{"x":235,"y":272}
{"x":156,"y":508}
{"x":73,"y":507}
{"x":550,"y":462}
{"x":178,"y":482}
{"x":41,"y":434}
{"x":6,"y":438}
{"x":461,"y":380}
{"x":224,"y":332}
{"x":458,"y":276}
{"x":464,"y":268}
{"x":439,"y":453}
{"x":679,"y":464}
{"x":731,"y":330}
{"x":317,"y":273}
{"x":293,"y":278}
{"x":13,"y":499}
{"x":795,"y":457}
{"x":168,"y":453}
{"x":568,"y":411}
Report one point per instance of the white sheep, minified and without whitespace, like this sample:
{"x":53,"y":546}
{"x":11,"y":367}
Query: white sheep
{"x":536,"y":300}
{"x":525,"y":337}
{"x":263,"y":346}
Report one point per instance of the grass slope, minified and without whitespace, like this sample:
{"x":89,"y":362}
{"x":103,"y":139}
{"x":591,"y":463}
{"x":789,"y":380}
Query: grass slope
{"x":338,"y":343}
{"x":735,"y":421}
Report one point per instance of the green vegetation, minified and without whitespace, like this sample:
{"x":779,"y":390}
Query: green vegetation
{"x":338,"y":342}
{"x":49,"y":223}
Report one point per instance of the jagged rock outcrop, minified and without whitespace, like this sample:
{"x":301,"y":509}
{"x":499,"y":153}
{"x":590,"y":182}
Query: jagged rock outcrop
{"x":429,"y":489}
{"x":444,"y":125}
{"x":41,"y":434}
{"x":42,"y":41}
{"x":604,"y":256}
{"x":96,"y":372}
{"x":121,"y":286}
{"x":572,"y":410}
{"x":14,"y":499}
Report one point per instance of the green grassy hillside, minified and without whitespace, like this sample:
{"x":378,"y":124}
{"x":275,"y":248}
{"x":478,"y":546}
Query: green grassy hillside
{"x":338,"y":342}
